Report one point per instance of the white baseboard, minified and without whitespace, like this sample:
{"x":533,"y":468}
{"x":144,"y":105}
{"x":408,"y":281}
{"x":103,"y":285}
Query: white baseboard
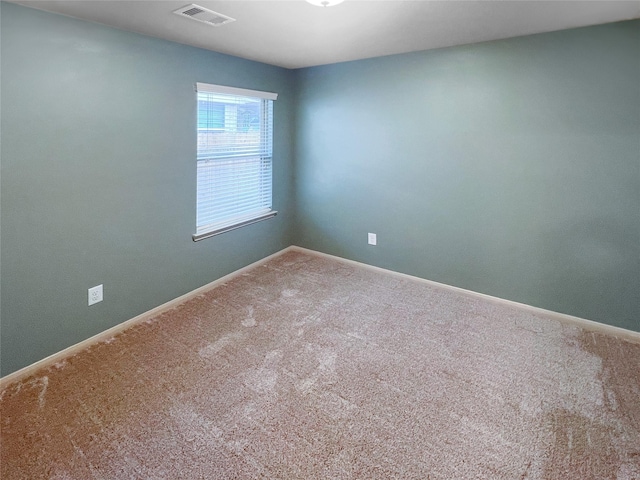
{"x":583,"y":323}
{"x":109,"y":333}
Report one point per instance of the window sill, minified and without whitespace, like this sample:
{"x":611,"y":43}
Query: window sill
{"x":212,"y":233}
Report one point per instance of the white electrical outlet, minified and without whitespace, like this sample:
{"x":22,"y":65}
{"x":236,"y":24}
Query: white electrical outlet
{"x":95,"y":294}
{"x":373,"y":239}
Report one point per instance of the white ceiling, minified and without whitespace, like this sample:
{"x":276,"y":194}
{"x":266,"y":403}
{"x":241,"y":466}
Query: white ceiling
{"x":295,"y":34}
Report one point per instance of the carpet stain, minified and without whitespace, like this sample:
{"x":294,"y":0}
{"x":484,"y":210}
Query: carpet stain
{"x":327,"y":360}
{"x":249,"y":320}
{"x":44,"y":383}
{"x":212,"y":349}
{"x":60,"y":365}
{"x":262,"y":380}
{"x":582,"y":448}
{"x":620,"y":373}
{"x":620,"y":380}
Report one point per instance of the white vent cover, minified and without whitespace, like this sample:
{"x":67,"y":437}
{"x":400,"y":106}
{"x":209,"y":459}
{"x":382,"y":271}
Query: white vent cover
{"x":203,"y":15}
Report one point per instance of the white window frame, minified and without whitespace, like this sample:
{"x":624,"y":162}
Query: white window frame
{"x":216,"y":214}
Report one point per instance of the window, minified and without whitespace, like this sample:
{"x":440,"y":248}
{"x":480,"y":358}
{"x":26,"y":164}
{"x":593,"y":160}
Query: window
{"x":235,"y":138}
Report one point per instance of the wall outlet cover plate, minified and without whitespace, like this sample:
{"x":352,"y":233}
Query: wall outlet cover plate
{"x":95,"y":294}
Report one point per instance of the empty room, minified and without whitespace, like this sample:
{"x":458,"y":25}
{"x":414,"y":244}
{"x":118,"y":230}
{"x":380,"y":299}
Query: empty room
{"x":310,"y":239}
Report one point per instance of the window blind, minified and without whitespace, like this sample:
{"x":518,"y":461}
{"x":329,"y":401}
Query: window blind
{"x":234,"y":158}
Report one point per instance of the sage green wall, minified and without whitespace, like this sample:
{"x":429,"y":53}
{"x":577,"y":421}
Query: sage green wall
{"x":98,"y":177}
{"x":510,"y":168}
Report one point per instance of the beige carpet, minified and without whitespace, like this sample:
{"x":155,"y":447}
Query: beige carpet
{"x":310,"y":368}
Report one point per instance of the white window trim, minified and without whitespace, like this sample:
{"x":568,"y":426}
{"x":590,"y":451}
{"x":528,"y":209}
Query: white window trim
{"x":207,"y":87}
{"x":221,"y":89}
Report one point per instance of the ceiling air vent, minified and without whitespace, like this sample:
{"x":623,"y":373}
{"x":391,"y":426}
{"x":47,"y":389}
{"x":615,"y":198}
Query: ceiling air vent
{"x":203,"y":15}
